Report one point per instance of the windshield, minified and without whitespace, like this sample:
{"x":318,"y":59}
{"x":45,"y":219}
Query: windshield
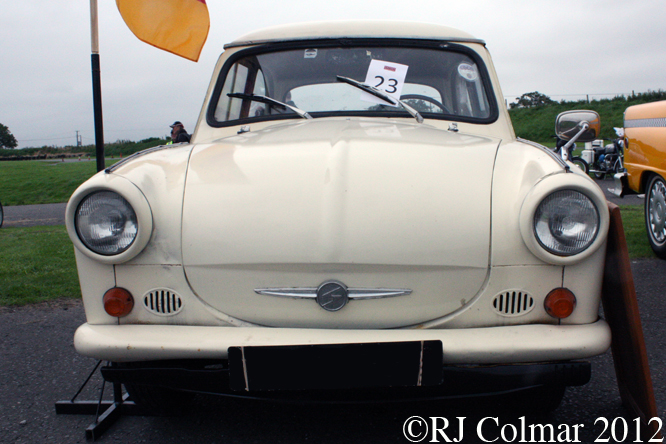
{"x":437,"y":83}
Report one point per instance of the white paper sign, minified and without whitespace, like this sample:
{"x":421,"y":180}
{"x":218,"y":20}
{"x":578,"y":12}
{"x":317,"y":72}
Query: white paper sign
{"x":385,"y":76}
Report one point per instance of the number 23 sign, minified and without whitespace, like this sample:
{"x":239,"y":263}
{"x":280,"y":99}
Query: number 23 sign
{"x":385,"y":76}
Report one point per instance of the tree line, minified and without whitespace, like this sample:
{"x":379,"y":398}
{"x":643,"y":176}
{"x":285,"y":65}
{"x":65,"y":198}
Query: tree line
{"x":533,"y":114}
{"x":7,"y":139}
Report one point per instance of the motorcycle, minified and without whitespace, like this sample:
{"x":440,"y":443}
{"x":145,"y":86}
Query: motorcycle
{"x":578,"y":161}
{"x":607,"y":159}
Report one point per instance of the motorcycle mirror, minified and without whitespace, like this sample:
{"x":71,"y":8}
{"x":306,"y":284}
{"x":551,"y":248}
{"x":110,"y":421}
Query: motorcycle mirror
{"x":570,"y":123}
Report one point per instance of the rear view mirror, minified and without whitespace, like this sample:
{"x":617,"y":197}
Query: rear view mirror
{"x":571,"y":123}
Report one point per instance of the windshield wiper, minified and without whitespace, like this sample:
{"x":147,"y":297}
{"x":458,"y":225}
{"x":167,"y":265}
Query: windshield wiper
{"x":269,"y":101}
{"x":382,"y":95}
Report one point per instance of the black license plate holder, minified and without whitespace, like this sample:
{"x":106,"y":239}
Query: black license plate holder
{"x":336,"y":366}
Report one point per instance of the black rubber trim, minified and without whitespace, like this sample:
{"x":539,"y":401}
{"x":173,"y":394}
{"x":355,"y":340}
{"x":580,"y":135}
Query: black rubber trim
{"x":371,"y":42}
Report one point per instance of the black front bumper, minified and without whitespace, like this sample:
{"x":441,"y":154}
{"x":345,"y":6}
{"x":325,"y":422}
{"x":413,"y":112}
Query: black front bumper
{"x":213,"y":377}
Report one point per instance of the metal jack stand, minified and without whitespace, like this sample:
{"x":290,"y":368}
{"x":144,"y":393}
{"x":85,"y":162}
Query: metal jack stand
{"x":110,"y":410}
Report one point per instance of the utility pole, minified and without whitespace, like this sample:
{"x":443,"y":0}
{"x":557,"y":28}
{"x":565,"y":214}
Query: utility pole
{"x":78,"y":139}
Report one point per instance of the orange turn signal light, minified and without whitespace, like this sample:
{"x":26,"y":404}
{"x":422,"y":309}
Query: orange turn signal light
{"x":118,"y":302}
{"x":560,"y":303}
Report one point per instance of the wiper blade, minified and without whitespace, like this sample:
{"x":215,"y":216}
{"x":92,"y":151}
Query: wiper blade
{"x":270,"y":101}
{"x":382,"y":95}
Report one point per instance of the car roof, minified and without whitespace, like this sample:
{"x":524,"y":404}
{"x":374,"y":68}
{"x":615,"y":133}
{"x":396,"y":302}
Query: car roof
{"x":353,"y":29}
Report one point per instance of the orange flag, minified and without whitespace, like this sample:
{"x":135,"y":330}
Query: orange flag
{"x":177,"y":26}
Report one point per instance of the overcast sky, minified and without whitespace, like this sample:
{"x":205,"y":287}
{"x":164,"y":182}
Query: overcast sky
{"x":562,"y":48}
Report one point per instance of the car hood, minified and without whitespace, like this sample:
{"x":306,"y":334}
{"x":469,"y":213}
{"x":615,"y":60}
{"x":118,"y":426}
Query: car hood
{"x":373,"y":205}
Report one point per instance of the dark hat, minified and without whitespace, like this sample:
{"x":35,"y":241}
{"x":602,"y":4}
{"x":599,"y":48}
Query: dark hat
{"x":176,"y":123}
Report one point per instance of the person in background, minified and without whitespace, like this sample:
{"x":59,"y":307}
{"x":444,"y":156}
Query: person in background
{"x":178,"y":133}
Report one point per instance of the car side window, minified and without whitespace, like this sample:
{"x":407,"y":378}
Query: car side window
{"x":469,"y":97}
{"x":246,"y":77}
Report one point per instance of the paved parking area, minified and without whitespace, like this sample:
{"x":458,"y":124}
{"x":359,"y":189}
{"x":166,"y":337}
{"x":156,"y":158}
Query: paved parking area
{"x":34,"y":215}
{"x":609,"y":184}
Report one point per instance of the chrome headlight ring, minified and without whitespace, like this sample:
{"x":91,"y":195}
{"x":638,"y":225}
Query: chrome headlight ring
{"x":564,"y":219}
{"x":109,"y":219}
{"x":566,"y":222}
{"x":106,"y":223}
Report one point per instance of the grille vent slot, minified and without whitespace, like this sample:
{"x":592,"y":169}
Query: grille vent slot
{"x":513,"y":303}
{"x":163,"y":302}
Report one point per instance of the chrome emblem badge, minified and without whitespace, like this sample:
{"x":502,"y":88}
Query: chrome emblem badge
{"x":332,"y":295}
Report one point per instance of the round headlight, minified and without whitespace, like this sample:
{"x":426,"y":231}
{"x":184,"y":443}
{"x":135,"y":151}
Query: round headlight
{"x":106,"y":223}
{"x":566,"y":222}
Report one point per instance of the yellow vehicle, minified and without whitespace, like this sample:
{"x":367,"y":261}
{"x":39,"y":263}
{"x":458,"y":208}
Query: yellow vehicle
{"x":645,"y":163}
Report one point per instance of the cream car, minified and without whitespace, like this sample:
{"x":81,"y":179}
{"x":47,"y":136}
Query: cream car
{"x":354,"y":212}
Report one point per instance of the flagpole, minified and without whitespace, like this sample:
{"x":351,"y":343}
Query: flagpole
{"x":97,"y":87}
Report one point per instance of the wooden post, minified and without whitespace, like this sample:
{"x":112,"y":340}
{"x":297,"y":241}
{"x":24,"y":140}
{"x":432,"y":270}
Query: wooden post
{"x":628,"y":344}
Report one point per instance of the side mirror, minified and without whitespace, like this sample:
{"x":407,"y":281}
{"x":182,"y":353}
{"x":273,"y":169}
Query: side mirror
{"x":570,"y":123}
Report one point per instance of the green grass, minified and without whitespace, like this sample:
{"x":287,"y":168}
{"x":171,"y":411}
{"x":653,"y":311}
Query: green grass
{"x":37,"y":265}
{"x":38,"y":182}
{"x":635,"y":233}
{"x":29,"y":182}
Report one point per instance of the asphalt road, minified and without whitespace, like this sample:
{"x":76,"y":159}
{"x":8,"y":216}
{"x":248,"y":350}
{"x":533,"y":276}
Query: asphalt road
{"x":607,"y":185}
{"x":39,"y":366}
{"x":33,"y":215}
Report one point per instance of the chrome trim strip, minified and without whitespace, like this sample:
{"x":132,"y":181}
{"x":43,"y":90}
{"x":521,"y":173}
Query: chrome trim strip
{"x":550,"y":152}
{"x":312,"y":39}
{"x":659,"y":122}
{"x":354,"y":293}
{"x":139,"y":154}
{"x":300,"y":293}
{"x":377,"y":293}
